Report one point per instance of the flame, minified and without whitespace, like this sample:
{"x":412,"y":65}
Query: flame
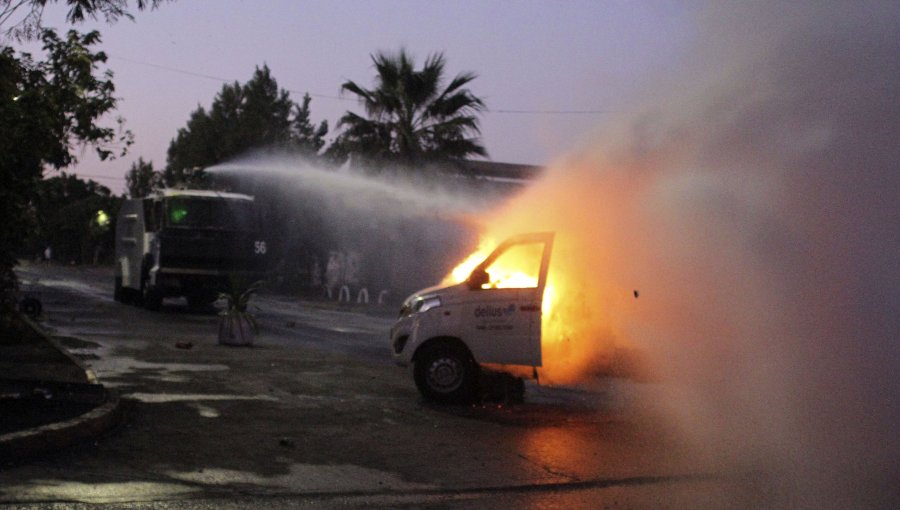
{"x":505,"y":275}
{"x":573,"y":343}
{"x":462,"y":271}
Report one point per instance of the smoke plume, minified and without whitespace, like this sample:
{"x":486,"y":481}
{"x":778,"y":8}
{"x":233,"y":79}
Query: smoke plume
{"x":753,"y":202}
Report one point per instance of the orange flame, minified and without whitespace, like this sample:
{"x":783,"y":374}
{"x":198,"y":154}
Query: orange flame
{"x":576,"y":337}
{"x":505,"y":275}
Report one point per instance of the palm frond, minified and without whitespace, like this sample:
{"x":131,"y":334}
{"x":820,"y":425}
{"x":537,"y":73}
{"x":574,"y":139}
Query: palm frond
{"x":411,"y":115}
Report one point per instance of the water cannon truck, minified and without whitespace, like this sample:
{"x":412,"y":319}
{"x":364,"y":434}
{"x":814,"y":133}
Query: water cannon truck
{"x":190,"y":243}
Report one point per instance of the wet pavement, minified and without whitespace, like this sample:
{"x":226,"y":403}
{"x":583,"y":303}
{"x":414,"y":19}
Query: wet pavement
{"x":316,"y":415}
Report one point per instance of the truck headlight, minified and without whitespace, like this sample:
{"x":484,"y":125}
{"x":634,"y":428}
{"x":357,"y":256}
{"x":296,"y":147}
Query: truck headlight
{"x":423,"y":305}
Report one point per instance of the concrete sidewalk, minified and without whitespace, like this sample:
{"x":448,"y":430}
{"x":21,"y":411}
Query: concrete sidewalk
{"x":48,"y":398}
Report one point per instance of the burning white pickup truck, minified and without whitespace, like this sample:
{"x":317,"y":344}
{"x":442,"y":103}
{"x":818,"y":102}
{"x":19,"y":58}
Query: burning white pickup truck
{"x":491,"y":321}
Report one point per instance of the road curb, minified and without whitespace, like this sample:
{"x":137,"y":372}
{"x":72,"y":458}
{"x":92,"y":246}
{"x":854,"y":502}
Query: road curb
{"x":70,"y":381}
{"x":34,"y":441}
{"x":89,"y":375}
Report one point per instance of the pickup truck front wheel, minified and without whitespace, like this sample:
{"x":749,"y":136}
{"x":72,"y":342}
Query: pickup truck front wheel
{"x":446,"y":374}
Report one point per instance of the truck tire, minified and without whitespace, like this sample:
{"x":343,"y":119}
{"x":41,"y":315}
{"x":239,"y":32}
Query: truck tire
{"x":134,"y":297}
{"x":31,"y":307}
{"x":151,"y":297}
{"x":118,"y":292}
{"x":446,"y":374}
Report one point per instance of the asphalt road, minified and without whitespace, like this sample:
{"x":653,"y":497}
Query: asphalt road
{"x":316,"y":415}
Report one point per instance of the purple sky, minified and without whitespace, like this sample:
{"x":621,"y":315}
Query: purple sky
{"x":557,"y":56}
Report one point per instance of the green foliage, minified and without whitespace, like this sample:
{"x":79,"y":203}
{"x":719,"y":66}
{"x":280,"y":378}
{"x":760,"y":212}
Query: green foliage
{"x":237,"y":299}
{"x":263,"y":110}
{"x":193,"y":148}
{"x":141,"y":179}
{"x":307,"y":139}
{"x":57,"y":102}
{"x":240,"y":290}
{"x":47,"y":109}
{"x":254,"y":116}
{"x":28,"y":23}
{"x":412,"y":118}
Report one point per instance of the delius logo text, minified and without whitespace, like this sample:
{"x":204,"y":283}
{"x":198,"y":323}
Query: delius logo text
{"x":494,"y":311}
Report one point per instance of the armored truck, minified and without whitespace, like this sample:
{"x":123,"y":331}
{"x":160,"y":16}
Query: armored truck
{"x":190,"y":243}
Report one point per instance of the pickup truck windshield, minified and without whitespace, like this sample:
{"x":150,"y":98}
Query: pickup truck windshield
{"x":210,"y":213}
{"x":518,"y":267}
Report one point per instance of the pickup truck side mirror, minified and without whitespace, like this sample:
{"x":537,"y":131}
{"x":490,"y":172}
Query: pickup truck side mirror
{"x":478,"y":278}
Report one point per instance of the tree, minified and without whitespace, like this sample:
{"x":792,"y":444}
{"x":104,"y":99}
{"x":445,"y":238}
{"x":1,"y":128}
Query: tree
{"x":412,"y":118}
{"x":47,"y":109}
{"x":192,"y":148}
{"x":28,"y":25}
{"x":256,"y":115}
{"x":74,"y":217}
{"x":141,"y":179}
{"x":264,"y":113}
{"x":306,"y":138}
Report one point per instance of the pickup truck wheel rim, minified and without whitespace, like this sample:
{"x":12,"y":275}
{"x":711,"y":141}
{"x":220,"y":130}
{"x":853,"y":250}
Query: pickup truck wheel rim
{"x":445,"y":374}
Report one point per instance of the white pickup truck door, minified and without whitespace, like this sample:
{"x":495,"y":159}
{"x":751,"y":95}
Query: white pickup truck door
{"x":502,"y":315}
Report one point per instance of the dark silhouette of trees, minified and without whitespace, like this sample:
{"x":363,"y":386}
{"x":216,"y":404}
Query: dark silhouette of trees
{"x":141,"y":179}
{"x":23,"y":17}
{"x":47,"y":109}
{"x":50,"y":107}
{"x":75,"y":218}
{"x":307,"y":139}
{"x":254,"y":116}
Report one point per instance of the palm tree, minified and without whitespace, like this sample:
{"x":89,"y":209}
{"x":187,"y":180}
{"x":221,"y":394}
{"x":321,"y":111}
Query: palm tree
{"x":412,"y":118}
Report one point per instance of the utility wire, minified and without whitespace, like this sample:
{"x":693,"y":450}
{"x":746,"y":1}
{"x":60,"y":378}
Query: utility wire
{"x":90,"y":176}
{"x":172,"y":69}
{"x":340,"y":98}
{"x":555,"y":112}
{"x":219,"y":79}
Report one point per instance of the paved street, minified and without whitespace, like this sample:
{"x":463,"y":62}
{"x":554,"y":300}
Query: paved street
{"x":316,"y":415}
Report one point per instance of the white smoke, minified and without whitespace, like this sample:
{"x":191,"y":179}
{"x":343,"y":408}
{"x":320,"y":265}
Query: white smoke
{"x":755,"y":202}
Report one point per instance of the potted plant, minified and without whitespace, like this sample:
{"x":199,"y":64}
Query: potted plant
{"x":237,"y":326}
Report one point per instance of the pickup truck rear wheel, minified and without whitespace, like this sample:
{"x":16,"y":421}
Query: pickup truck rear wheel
{"x":446,"y":374}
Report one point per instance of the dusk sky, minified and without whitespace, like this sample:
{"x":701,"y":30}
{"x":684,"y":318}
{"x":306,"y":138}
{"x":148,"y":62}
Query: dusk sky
{"x":586,"y":61}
